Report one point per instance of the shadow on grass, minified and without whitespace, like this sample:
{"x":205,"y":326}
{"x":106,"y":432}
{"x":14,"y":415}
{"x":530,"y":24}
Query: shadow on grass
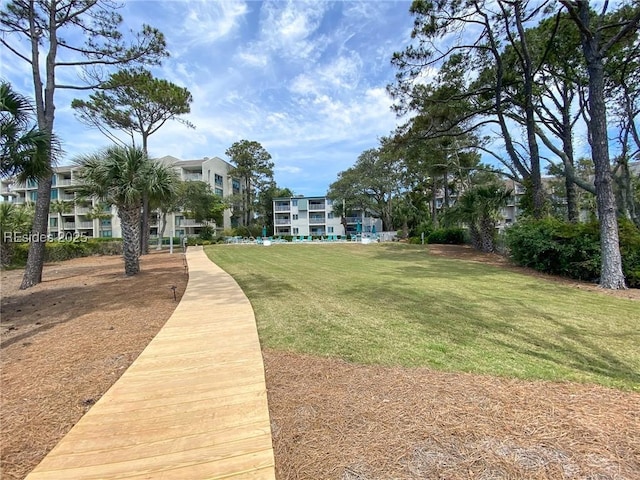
{"x":556,"y":344}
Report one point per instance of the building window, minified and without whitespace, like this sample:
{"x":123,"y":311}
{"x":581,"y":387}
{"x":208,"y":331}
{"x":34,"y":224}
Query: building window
{"x":295,"y":230}
{"x":53,"y":222}
{"x":105,"y":233}
{"x":33,"y":196}
{"x":105,"y":222}
{"x":53,"y":181}
{"x":219,"y":191}
{"x":330,"y":215}
{"x":329,"y":229}
{"x":235,"y":184}
{"x":54,"y":194}
{"x":294,"y":203}
{"x":329,"y":201}
{"x":179,"y":219}
{"x":219,"y":180}
{"x":295,"y":216}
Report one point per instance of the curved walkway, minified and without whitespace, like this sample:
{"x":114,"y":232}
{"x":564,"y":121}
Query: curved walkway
{"x":193,"y":405}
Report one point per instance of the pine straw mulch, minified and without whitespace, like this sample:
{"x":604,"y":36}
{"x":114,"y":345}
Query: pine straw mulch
{"x":67,"y":340}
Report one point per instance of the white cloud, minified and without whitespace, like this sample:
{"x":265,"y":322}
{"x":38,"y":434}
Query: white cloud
{"x":205,"y":22}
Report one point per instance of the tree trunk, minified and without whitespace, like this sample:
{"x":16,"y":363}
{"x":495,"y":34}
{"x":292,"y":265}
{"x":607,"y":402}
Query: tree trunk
{"x":130,"y":222}
{"x":487,"y":230}
{"x":161,"y":233}
{"x":611,"y":275}
{"x":144,"y":226}
{"x":571,"y":194}
{"x":35,"y":259}
{"x":45,"y":111}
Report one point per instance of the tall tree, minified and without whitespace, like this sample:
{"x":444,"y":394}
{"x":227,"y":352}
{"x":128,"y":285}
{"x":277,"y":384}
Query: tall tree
{"x":254,"y":169}
{"x":596,"y":46}
{"x":491,"y":27}
{"x":55,"y":31}
{"x":24,"y":149}
{"x":135,"y":102}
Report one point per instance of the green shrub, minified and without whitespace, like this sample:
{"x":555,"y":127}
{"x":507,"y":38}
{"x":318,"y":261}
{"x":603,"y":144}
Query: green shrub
{"x":60,"y":251}
{"x":450,"y":236}
{"x":572,"y":250}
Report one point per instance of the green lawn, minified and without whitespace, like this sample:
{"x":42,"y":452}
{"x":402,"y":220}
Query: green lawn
{"x":394,"y":304}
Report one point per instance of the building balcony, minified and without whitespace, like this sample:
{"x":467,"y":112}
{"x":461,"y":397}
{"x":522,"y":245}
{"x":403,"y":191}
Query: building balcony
{"x":282,"y":208}
{"x":192,"y":176}
{"x":63,"y":183}
{"x":82,"y":210}
{"x":69,"y":225}
{"x":188,"y":222}
{"x":316,"y":206}
{"x":84,"y":225}
{"x":282,"y":221}
{"x":316,"y":220}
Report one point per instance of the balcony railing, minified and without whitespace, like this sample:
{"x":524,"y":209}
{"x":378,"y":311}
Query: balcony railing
{"x":63,"y":183}
{"x":81,"y":210}
{"x":193,"y":176}
{"x":84,"y":225}
{"x":69,"y":225}
{"x":282,"y":221}
{"x":282,"y":208}
{"x":316,"y":206}
{"x":316,"y":220}
{"x":188,"y":222}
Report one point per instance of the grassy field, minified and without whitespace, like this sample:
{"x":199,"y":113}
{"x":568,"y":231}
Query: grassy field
{"x":394,"y":304}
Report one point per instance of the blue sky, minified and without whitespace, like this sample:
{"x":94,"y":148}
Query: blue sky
{"x":305,"y":79}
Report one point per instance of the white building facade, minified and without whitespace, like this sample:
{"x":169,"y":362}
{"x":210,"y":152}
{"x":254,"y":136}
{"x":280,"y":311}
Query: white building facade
{"x":79,"y":216}
{"x":313,"y":216}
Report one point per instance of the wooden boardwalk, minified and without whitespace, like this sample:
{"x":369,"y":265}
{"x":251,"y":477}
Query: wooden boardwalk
{"x":192,"y":406}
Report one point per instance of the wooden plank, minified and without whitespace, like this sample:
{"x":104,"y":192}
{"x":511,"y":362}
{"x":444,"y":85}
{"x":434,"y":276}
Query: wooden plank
{"x":193,"y":405}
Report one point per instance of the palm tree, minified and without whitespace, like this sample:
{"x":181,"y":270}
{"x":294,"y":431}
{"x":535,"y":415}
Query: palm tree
{"x":23,"y":148}
{"x":13,"y":220}
{"x":161,"y":184}
{"x":479,"y":208}
{"x":99,"y":211}
{"x":117,"y":176}
{"x":60,"y":207}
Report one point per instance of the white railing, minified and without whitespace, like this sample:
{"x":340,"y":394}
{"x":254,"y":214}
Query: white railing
{"x":84,"y":224}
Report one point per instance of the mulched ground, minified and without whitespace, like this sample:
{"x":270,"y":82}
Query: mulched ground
{"x":64,"y":342}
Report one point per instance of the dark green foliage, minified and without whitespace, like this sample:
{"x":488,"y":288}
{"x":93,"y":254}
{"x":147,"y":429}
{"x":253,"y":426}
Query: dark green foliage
{"x":572,"y":250}
{"x":450,"y":236}
{"x":60,"y":251}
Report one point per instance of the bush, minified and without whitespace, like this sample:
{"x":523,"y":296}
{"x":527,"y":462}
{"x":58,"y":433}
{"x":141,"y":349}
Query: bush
{"x":60,"y":251}
{"x":572,"y":250}
{"x":450,"y":236}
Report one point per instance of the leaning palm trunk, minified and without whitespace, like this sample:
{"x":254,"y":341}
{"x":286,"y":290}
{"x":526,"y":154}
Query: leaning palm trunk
{"x":130,"y":223}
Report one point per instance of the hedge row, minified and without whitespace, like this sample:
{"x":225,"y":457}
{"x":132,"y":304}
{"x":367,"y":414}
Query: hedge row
{"x":60,"y":251}
{"x":571,"y":250}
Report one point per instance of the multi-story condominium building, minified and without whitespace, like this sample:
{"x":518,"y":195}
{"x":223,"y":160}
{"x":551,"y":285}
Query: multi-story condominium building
{"x":90,"y":219}
{"x":314,"y":216}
